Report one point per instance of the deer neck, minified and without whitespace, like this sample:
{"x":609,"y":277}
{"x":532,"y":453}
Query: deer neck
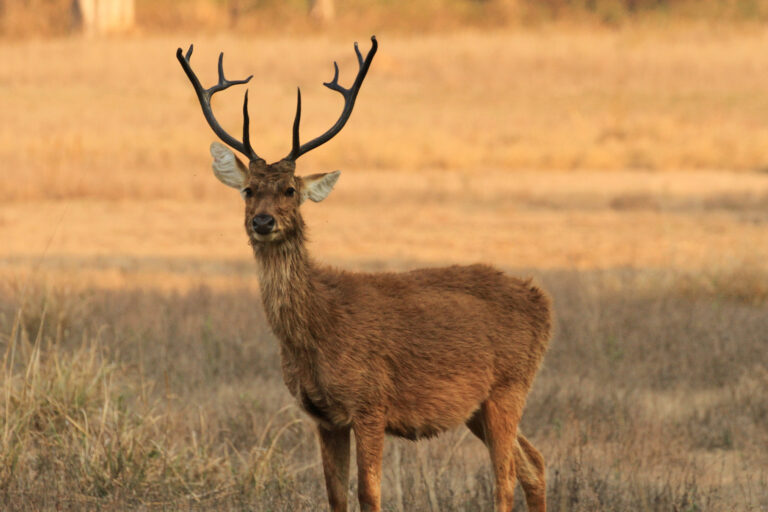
{"x":291,"y":302}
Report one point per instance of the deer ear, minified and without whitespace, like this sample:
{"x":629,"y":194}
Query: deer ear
{"x":318,"y":186}
{"x":227,"y":167}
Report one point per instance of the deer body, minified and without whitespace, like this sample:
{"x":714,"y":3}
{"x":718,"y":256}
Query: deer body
{"x":423,"y":349}
{"x":408,"y":354}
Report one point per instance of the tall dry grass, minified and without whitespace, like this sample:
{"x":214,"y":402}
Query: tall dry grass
{"x":84,"y":426}
{"x":651,"y":398}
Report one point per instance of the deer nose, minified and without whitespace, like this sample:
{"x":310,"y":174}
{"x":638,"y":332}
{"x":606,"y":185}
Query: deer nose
{"x":263,"y":224}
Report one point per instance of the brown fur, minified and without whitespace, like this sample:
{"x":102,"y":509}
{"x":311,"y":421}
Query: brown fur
{"x":410,"y":354}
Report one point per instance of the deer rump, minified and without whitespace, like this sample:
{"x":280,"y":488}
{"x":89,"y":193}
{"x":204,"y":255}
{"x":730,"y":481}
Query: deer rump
{"x":421,"y":350}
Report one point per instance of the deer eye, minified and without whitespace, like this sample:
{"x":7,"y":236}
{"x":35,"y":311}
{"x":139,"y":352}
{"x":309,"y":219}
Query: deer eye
{"x":290,"y":191}
{"x":246,"y":192}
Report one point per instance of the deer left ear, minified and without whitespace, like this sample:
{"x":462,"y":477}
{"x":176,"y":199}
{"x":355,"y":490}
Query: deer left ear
{"x":317,"y":186}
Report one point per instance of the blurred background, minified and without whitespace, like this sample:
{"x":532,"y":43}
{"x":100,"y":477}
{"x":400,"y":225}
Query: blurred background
{"x":614,"y":150}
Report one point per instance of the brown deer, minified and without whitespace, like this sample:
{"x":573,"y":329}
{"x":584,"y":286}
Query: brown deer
{"x":408,"y":354}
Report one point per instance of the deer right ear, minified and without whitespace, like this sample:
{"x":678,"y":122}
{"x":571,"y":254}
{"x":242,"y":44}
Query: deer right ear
{"x":227,"y":167}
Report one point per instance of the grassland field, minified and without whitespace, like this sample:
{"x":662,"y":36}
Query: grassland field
{"x":623,"y":169}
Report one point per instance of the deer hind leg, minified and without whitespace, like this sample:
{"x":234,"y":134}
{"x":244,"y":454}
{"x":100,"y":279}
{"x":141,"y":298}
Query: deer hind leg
{"x":369,"y":444}
{"x":498,"y":418}
{"x":334,"y":448}
{"x":528,"y":464}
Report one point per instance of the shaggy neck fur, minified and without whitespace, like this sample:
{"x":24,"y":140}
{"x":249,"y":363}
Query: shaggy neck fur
{"x":288,"y":291}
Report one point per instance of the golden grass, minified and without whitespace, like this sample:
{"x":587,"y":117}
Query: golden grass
{"x":117,"y":118}
{"x":698,"y":224}
{"x":451,"y":131}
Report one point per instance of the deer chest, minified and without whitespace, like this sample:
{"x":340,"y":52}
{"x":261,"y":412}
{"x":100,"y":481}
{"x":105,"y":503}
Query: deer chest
{"x":302,"y":384}
{"x":317,"y":408}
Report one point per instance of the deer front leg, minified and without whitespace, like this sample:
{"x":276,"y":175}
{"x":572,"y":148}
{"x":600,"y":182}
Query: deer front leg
{"x":369,"y":442}
{"x":334,"y":448}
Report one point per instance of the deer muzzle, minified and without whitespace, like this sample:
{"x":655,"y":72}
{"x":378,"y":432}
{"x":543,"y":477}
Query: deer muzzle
{"x":263,"y":224}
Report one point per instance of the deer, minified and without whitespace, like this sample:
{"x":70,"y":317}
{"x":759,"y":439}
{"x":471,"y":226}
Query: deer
{"x":409,"y":354}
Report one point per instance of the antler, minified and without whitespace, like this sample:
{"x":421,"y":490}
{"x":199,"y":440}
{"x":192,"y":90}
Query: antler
{"x":349,"y":102}
{"x":204,"y":95}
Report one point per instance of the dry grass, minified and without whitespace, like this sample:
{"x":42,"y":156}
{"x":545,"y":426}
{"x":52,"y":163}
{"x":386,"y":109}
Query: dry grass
{"x":652,"y":398}
{"x":118,"y":120}
{"x":703,"y":225}
{"x":86,"y":426}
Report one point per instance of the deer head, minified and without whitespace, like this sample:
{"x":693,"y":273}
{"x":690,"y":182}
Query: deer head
{"x":272,"y":192}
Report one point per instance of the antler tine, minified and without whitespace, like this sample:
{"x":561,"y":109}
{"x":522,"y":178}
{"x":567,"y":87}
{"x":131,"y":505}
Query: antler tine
{"x":246,"y":131}
{"x":204,"y":96}
{"x":349,"y":102}
{"x":296,"y":122}
{"x":359,"y":56}
{"x":334,"y":83}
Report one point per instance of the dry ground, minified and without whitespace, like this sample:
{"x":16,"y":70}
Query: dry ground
{"x":138,"y":367}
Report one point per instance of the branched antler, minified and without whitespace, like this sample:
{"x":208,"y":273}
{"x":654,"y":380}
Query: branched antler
{"x":244,"y":146}
{"x":349,"y":102}
{"x":204,"y":95}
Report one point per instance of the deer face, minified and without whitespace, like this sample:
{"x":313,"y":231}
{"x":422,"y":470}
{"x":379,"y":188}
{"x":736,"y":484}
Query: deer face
{"x":272,"y":193}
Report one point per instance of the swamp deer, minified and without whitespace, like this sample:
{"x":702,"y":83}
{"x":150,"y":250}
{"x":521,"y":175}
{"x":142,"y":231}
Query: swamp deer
{"x":408,"y":354}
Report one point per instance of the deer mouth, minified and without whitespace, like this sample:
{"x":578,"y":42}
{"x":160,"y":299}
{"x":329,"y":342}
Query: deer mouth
{"x":269,"y":237}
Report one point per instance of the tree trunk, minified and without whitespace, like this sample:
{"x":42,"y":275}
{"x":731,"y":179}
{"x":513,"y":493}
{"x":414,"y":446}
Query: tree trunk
{"x":103,"y":16}
{"x":322,"y":11}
